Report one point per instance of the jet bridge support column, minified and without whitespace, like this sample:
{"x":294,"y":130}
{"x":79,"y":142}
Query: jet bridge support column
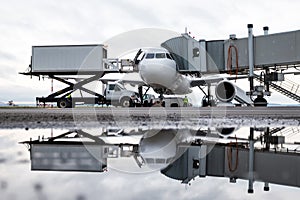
{"x":251,"y":161}
{"x":267,"y":138}
{"x":266,"y":186}
{"x":250,"y":56}
{"x":257,"y":90}
{"x":267,"y":71}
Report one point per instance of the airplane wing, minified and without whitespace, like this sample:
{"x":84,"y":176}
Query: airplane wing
{"x":202,"y":81}
{"x":131,"y":78}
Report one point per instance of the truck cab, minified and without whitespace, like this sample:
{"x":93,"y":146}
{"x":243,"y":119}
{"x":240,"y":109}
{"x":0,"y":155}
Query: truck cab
{"x":117,"y":95}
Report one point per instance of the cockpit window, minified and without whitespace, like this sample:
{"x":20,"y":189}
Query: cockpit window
{"x":150,"y":55}
{"x":149,"y":160}
{"x":169,"y":57}
{"x":160,"y":55}
{"x":141,"y":56}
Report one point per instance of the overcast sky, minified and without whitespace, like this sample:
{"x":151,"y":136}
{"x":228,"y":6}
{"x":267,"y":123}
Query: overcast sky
{"x":35,"y":22}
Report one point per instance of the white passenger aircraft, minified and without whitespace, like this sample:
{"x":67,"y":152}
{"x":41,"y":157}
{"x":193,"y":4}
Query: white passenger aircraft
{"x":158,"y":69}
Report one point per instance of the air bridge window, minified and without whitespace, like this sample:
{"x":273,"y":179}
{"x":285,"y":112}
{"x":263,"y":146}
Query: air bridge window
{"x":160,"y":55}
{"x":150,"y":55}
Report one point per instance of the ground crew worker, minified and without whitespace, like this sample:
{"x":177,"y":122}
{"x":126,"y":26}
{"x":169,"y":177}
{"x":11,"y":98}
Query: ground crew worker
{"x":69,"y":96}
{"x":185,"y":101}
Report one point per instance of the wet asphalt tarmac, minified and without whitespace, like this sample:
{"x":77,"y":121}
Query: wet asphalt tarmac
{"x":123,"y":117}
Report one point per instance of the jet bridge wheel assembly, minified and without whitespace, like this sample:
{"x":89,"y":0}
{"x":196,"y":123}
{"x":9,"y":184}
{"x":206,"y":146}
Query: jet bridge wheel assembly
{"x":260,"y":101}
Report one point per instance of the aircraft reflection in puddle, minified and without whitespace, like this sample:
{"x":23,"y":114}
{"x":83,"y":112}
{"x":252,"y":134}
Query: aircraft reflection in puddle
{"x":179,"y":154}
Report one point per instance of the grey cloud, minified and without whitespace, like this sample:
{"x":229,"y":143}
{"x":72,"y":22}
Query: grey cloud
{"x":135,"y":39}
{"x":12,"y":92}
{"x":6,"y":56}
{"x":140,"y":13}
{"x":7,"y":72}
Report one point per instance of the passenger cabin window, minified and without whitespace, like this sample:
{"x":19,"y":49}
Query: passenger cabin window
{"x":160,"y":55}
{"x":150,"y":55}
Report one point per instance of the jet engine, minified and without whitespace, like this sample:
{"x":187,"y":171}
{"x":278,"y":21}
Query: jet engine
{"x":225,"y":132}
{"x":225,"y":91}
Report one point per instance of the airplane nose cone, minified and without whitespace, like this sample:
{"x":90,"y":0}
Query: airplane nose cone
{"x":160,"y":74}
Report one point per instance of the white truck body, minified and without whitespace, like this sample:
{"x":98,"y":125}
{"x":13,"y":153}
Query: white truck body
{"x":68,"y":58}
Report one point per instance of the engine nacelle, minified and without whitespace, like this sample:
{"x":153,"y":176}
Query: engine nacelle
{"x":225,"y":91}
{"x":225,"y":132}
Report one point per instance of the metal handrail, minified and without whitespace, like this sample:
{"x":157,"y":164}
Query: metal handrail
{"x":290,"y":86}
{"x":290,"y":131}
{"x":287,"y":87}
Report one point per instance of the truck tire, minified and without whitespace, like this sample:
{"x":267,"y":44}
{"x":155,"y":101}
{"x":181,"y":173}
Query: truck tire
{"x":64,"y":103}
{"x":146,"y":104}
{"x":125,"y":102}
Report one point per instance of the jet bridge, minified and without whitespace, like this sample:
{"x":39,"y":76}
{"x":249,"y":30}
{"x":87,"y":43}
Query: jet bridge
{"x":269,"y":52}
{"x":233,"y":162}
{"x":223,"y":55}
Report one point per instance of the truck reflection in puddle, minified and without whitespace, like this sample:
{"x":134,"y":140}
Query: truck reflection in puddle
{"x":179,"y":154}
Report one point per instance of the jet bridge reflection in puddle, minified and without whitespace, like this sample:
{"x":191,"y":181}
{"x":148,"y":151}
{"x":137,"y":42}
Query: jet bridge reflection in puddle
{"x":179,"y":154}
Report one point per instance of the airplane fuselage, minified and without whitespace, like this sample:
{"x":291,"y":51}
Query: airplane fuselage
{"x":157,"y":69}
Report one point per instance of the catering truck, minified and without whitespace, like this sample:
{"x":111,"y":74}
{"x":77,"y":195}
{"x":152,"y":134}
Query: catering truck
{"x":77,"y":66}
{"x":114,"y":94}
